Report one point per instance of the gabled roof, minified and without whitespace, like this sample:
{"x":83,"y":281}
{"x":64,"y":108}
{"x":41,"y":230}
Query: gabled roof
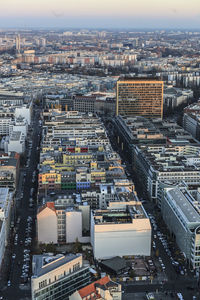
{"x":91,"y":288}
{"x":50,"y":205}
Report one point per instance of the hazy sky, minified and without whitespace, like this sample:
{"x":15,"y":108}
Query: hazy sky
{"x":100,"y":13}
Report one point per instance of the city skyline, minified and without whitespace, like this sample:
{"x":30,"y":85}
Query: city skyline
{"x":104,"y":14}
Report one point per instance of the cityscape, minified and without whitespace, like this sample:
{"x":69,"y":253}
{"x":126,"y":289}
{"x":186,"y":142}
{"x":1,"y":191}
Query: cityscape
{"x":99,"y":153}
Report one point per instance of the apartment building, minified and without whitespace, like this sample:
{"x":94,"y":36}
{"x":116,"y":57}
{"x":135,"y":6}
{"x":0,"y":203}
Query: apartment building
{"x":9,"y":169}
{"x":63,"y":221}
{"x":57,"y":277}
{"x":130,"y":131}
{"x":5,"y":125}
{"x":156,"y":164}
{"x":103,"y":194}
{"x":11,"y":98}
{"x":7,"y":180}
{"x":103,"y":289}
{"x":81,"y":164}
{"x":76,"y":153}
{"x":65,"y":217}
{"x":133,"y":131}
{"x":84,"y":103}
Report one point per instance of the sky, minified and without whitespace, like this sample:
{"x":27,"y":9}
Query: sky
{"x":100,"y":13}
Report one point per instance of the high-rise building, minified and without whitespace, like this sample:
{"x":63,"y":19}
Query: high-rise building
{"x":18,"y":44}
{"x":140,"y":97}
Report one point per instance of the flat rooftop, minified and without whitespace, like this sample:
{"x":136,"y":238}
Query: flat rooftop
{"x":119,"y":216}
{"x":43,"y":264}
{"x":15,"y":136}
{"x":182,"y":200}
{"x":126,"y":78}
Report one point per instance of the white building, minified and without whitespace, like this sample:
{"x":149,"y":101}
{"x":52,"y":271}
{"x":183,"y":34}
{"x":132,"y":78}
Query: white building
{"x":181,"y":213}
{"x":16,"y":142}
{"x":24,"y":111}
{"x":62,"y":224}
{"x":47,"y":224}
{"x":73,"y":225}
{"x":5,"y":210}
{"x":57,"y":277}
{"x":19,"y":124}
{"x":4,"y":125}
{"x":123,"y":229}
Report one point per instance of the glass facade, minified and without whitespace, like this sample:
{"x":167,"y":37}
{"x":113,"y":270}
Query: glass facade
{"x":65,"y":286}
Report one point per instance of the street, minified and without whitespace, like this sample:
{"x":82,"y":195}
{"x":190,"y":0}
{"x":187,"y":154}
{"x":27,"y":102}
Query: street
{"x":187,"y":283}
{"x":18,"y":281}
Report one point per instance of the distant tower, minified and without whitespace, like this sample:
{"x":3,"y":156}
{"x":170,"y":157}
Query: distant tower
{"x":18,"y":44}
{"x":43,"y":42}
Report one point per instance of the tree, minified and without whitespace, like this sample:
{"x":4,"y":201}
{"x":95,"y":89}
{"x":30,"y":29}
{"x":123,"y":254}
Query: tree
{"x":132,"y":273}
{"x":50,"y":248}
{"x":77,"y":246}
{"x":37,"y":102}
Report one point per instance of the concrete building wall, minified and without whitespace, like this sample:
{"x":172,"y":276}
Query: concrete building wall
{"x":121,"y":239}
{"x":85,"y":209}
{"x":73,"y":226}
{"x":16,"y":146}
{"x":75,"y":296}
{"x":47,"y":226}
{"x":22,"y":128}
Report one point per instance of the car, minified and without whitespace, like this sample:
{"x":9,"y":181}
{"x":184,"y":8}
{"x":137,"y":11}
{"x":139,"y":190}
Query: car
{"x":150,"y":296}
{"x":27,"y":250}
{"x":9,"y":283}
{"x":13,"y":256}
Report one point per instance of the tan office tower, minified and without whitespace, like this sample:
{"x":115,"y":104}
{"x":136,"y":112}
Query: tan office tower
{"x":140,"y":97}
{"x":17,"y":40}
